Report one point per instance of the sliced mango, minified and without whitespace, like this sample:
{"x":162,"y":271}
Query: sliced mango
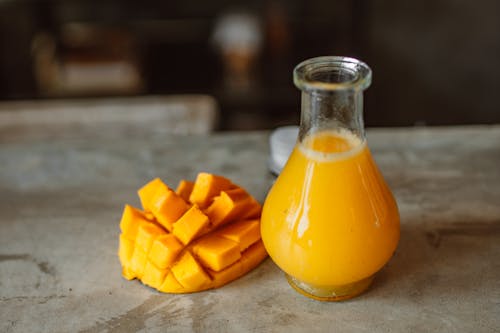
{"x":226,"y":275}
{"x":128,"y":273}
{"x":171,"y":285}
{"x":130,"y":221}
{"x":190,"y":225}
{"x":252,"y":210}
{"x":153,"y":276}
{"x":138,"y":262}
{"x":253,"y":255}
{"x":165,"y":250}
{"x":216,"y":252}
{"x":189,"y":273}
{"x":146,"y":235}
{"x":125,"y":250}
{"x":204,"y":235}
{"x":168,"y":207}
{"x":249,"y":259}
{"x":148,"y":192}
{"x":230,"y":205}
{"x":206,"y":187}
{"x":245,"y":233}
{"x":184,"y":189}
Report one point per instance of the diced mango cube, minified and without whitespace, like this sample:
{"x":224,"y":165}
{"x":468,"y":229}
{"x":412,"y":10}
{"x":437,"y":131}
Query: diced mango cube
{"x":125,"y":250}
{"x":149,"y":216}
{"x":206,"y":187}
{"x":252,"y":256}
{"x":171,"y":285}
{"x":229,"y":205}
{"x":146,"y":235}
{"x":245,"y":233}
{"x":130,"y":221}
{"x":184,"y":189}
{"x":153,"y":276}
{"x":165,"y":250}
{"x":168,"y":207}
{"x":252,"y":209}
{"x":226,"y":275}
{"x":220,"y":209}
{"x":190,"y":225}
{"x":216,"y":252}
{"x":127,"y":273}
{"x":148,"y":192}
{"x":138,"y":262}
{"x":189,"y":273}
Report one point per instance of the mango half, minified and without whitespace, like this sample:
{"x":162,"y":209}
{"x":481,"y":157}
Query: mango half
{"x":203,"y":235}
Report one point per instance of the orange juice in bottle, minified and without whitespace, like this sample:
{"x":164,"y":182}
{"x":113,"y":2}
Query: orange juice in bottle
{"x":330,"y":221}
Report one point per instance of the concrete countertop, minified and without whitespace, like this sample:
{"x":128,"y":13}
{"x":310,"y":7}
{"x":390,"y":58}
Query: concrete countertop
{"x":61,"y":201}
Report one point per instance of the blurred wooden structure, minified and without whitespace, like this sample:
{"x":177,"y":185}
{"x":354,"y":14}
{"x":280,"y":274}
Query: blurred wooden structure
{"x":434,"y":63}
{"x":108,"y":117}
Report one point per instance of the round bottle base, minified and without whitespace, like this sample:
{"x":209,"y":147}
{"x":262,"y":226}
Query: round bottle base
{"x":330,"y":293}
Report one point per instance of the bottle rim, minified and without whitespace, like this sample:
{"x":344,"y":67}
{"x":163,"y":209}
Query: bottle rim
{"x":332,"y":73}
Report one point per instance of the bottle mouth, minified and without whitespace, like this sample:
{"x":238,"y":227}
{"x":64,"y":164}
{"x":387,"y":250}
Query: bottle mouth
{"x":332,"y":73}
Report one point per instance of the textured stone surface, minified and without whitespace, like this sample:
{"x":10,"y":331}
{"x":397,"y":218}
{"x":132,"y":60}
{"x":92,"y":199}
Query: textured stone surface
{"x":61,"y":200}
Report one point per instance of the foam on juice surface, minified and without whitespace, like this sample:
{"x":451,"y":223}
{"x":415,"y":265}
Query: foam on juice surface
{"x":331,"y":145}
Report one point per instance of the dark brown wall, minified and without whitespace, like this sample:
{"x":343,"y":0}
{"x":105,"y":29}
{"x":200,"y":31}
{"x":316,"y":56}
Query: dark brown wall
{"x":434,"y":62}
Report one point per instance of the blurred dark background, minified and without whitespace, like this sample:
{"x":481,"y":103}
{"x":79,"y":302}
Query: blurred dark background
{"x":434,"y":62}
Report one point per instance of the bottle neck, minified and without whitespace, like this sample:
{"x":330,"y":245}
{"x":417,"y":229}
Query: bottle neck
{"x":336,"y":111}
{"x":332,"y":95}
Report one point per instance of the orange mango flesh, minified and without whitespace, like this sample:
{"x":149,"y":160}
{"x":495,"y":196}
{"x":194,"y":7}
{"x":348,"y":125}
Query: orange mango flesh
{"x":125,"y":252}
{"x":217,"y":253}
{"x":184,"y":189}
{"x":232,"y":204}
{"x":168,"y":207}
{"x":244,"y":233}
{"x":153,"y":276}
{"x":148,"y":192}
{"x":146,"y":235}
{"x":203,"y":235}
{"x":189,"y":273}
{"x":206,"y":187}
{"x":190,"y":225}
{"x":165,"y":250}
{"x":131,"y":220}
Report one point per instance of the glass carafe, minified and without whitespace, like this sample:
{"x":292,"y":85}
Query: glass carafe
{"x":330,"y":222}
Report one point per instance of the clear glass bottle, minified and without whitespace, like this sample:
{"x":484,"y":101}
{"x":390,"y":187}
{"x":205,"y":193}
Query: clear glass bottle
{"x":330,"y":222}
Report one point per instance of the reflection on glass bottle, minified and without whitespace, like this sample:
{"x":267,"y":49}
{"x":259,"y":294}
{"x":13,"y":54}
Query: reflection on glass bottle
{"x":330,"y":221}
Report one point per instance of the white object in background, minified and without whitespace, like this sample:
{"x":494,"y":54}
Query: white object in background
{"x":238,"y":32}
{"x":281,"y":142}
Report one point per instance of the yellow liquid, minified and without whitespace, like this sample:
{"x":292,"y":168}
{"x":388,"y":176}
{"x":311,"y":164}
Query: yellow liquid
{"x":330,"y":220}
